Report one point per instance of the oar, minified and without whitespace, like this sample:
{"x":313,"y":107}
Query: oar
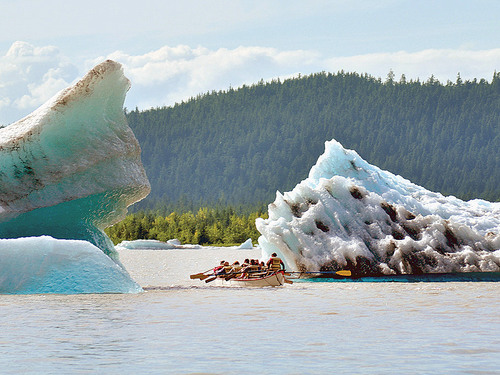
{"x":345,"y":273}
{"x":205,"y":276}
{"x":200,"y":275}
{"x":230,"y":275}
{"x":287,"y":281}
{"x":211,"y":279}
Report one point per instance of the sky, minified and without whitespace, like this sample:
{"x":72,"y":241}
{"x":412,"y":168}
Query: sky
{"x":174,"y":50}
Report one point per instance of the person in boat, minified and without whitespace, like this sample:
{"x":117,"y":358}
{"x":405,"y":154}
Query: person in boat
{"x":225,"y":269}
{"x":249,"y":270}
{"x":219,"y":267}
{"x":274,"y":263}
{"x":236,"y":269}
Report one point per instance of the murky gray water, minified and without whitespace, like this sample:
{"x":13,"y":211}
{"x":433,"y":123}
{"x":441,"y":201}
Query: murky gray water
{"x":183,"y":326}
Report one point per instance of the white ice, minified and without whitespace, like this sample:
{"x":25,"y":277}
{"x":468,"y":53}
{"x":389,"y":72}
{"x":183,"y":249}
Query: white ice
{"x":47,"y":265}
{"x":154,"y":245}
{"x":350,"y":214}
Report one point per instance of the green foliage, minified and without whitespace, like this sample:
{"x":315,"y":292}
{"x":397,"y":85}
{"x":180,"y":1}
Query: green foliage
{"x":210,"y":226}
{"x":240,"y":146}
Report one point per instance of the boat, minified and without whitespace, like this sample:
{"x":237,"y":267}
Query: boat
{"x":273,"y":279}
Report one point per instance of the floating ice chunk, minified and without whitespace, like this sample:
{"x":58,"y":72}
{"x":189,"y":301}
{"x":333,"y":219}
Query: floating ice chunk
{"x":154,"y":245}
{"x":174,"y":242}
{"x":350,"y":214}
{"x":246,"y":245}
{"x":145,"y":245}
{"x":46,"y":265}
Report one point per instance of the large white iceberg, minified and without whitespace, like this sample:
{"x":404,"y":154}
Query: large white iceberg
{"x":349,"y":214}
{"x":72,"y":167}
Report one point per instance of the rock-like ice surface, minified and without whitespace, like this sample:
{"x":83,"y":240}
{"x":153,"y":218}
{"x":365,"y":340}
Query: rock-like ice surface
{"x":350,"y":214}
{"x":72,"y":167}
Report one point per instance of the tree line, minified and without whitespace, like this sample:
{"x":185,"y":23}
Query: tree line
{"x":208,"y":226}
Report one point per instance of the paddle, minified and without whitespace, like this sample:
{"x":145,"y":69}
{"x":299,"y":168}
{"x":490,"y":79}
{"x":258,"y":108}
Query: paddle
{"x":345,"y":273}
{"x":200,"y":275}
{"x":229,"y":276}
{"x":211,"y":279}
{"x":287,"y":281}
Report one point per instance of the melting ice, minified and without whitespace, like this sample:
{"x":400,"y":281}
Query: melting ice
{"x":350,"y":214}
{"x":69,"y":170}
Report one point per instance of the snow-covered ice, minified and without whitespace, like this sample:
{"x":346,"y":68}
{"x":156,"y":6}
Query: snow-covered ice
{"x":350,"y":214}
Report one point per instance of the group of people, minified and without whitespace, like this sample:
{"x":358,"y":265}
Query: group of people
{"x":250,"y":268}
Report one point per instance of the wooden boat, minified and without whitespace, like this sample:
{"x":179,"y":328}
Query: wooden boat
{"x":273,"y":279}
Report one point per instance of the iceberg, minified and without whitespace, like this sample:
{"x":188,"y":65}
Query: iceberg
{"x":246,"y":245}
{"x":349,"y":214}
{"x":43,"y":264}
{"x":154,"y":245}
{"x":71,"y":168}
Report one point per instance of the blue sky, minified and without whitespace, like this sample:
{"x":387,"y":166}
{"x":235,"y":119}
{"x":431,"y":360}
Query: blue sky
{"x":173,"y":50}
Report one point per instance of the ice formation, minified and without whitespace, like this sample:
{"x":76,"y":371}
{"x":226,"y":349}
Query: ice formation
{"x":46,"y":265}
{"x":154,"y":245}
{"x":72,"y":167}
{"x":349,"y":214}
{"x":246,"y":245}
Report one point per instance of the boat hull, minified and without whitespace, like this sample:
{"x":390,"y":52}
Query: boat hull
{"x":276,"y":279}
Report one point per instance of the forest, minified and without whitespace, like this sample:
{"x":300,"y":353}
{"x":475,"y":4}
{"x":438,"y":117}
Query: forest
{"x":217,"y":160}
{"x":208,"y":226}
{"x":238,"y":147}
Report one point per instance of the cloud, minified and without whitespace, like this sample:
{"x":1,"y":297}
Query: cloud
{"x":444,"y":64}
{"x":29,"y":76}
{"x":173,"y":74}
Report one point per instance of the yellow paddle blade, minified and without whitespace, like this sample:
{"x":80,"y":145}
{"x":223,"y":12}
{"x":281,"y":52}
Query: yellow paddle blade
{"x":343,"y":273}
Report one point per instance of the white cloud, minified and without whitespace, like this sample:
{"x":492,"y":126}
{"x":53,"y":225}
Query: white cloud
{"x":30,"y":75}
{"x":173,"y":74}
{"x":444,"y":64}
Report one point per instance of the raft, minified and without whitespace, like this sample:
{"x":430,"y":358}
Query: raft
{"x":274,"y":279}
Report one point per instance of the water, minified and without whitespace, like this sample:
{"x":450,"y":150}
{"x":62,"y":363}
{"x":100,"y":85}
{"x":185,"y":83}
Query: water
{"x":184,"y":326}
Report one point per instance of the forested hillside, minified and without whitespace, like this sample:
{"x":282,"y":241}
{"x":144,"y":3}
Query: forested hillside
{"x":239,"y":146}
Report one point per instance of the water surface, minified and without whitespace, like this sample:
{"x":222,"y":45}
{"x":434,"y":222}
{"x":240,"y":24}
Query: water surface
{"x":184,"y":326}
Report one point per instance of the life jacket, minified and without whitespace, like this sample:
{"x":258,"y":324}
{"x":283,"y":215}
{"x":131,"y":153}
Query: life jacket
{"x":252,"y":270}
{"x":275,"y":264}
{"x":236,"y":269}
